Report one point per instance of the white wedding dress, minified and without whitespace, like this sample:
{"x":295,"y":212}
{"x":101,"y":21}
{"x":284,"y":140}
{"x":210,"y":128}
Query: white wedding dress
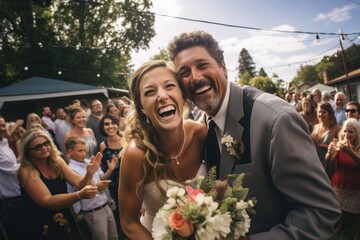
{"x":153,"y":199}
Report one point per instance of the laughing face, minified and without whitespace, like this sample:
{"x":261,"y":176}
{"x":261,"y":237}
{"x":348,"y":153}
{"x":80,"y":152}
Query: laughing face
{"x":202,"y":78}
{"x":349,"y":133}
{"x":161,"y":98}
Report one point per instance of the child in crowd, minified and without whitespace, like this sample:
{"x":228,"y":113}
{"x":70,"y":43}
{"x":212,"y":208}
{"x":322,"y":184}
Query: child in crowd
{"x":97,"y":212}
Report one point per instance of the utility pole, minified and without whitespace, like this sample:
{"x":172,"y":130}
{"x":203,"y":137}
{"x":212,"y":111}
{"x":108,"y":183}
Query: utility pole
{"x":344,"y":63}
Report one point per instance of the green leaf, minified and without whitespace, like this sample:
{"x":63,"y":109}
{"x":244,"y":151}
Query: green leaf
{"x":241,"y":194}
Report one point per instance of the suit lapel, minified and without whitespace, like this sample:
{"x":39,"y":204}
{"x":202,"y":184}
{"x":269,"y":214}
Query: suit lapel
{"x":234,"y":114}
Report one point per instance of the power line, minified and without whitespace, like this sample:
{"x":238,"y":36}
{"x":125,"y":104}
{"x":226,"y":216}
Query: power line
{"x":353,"y":2}
{"x":253,"y":28}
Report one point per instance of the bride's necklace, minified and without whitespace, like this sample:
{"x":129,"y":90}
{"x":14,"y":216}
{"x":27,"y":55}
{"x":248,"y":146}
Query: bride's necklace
{"x":176,"y":158}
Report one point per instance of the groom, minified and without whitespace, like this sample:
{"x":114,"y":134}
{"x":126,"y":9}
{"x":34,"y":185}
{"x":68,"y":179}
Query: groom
{"x":282,"y":170}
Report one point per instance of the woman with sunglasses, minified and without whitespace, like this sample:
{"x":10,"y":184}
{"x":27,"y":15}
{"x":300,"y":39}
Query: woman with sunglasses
{"x":42,"y":176}
{"x":353,"y":110}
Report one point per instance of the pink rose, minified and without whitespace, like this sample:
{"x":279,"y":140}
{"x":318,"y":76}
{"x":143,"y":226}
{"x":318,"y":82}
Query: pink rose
{"x":193,"y":192}
{"x":180,"y":225}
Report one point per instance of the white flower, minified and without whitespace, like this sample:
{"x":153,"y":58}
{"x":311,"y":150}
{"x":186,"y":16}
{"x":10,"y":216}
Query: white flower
{"x":175,"y":192}
{"x":201,"y":199}
{"x":251,"y":204}
{"x":218,"y":226}
{"x":241,"y":228}
{"x":170,"y":203}
{"x":233,"y":146}
{"x":241,"y":205}
{"x":160,"y":228}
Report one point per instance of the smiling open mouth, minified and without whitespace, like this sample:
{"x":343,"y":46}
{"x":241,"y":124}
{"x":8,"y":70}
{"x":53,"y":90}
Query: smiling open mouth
{"x":167,"y":111}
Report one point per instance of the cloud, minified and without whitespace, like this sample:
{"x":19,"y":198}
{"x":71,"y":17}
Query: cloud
{"x":337,"y":14}
{"x":267,"y":41}
{"x":172,"y":8}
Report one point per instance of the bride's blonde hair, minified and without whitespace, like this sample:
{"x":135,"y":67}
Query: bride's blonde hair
{"x":156,"y":164}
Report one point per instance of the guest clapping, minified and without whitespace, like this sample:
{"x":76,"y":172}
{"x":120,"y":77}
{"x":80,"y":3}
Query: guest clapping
{"x":43,"y":175}
{"x":346,"y":178}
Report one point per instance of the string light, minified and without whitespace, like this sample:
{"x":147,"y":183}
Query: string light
{"x":317,"y":38}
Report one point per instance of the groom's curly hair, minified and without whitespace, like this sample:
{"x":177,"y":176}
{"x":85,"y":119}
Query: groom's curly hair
{"x":192,"y":39}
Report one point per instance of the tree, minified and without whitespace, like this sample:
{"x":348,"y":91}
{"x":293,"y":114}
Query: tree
{"x":307,"y":73}
{"x":162,"y":55}
{"x":263,"y":83}
{"x":262,"y":73}
{"x":88,"y":41}
{"x":245,"y":78}
{"x":246,"y":63}
{"x":279,"y":84}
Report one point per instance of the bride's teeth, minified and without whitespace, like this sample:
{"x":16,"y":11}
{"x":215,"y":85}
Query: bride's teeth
{"x":166,"y":109}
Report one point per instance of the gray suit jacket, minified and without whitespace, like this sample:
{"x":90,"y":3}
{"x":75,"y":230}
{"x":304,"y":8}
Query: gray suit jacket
{"x":295,"y":198}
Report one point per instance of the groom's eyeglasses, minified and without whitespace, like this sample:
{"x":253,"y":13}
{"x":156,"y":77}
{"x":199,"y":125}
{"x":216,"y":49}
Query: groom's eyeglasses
{"x":38,"y":147}
{"x":351,"y":110}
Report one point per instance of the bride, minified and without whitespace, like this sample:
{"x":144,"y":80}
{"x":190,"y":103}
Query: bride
{"x":162,"y":149}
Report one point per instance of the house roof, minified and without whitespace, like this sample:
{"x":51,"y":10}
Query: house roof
{"x":39,"y":88}
{"x":322,"y":88}
{"x":352,"y":74}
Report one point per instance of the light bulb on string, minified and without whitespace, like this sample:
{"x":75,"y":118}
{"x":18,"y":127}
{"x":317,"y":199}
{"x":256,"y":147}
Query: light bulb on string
{"x":59,"y":72}
{"x":317,"y":38}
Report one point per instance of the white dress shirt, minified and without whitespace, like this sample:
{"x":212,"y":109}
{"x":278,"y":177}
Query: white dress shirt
{"x":86,"y":204}
{"x":9,"y":184}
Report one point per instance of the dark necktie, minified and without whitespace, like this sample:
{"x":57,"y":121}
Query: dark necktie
{"x":212,"y":147}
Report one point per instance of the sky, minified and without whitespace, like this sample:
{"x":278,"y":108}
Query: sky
{"x":276,"y":52}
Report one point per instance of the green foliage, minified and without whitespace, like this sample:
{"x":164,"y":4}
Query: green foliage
{"x":162,"y":55}
{"x":209,"y":181}
{"x":263,"y":83}
{"x":333,"y":65}
{"x":306,"y":73}
{"x":245,"y":78}
{"x":90,"y":42}
{"x":262,"y":73}
{"x":246,"y":63}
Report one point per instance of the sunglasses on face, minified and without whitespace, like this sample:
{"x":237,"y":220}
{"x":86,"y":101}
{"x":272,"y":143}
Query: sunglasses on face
{"x":38,"y":147}
{"x":351,"y":110}
{"x":108,"y":123}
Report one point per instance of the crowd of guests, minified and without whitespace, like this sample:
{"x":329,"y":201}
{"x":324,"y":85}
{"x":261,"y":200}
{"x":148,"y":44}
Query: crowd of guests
{"x":58,"y":168}
{"x":54,"y":168}
{"x":334,"y":126}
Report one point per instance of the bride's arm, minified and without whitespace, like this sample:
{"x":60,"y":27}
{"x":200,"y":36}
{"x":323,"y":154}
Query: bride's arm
{"x":130,"y":202}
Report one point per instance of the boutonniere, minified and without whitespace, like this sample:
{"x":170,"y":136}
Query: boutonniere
{"x":234,"y":147}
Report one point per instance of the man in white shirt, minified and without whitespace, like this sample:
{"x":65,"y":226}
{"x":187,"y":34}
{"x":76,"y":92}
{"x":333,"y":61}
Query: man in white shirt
{"x":340,"y":101}
{"x":9,"y":186}
{"x":61,"y":127}
{"x":46,"y":117}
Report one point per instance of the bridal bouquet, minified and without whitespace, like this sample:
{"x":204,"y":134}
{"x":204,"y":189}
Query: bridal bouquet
{"x":206,"y":209}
